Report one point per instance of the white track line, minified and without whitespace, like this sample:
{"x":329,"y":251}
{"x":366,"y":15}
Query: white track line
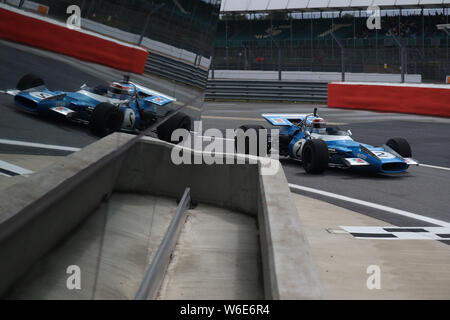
{"x":434,"y":167}
{"x":37,"y":145}
{"x":13,"y":168}
{"x":209,"y":138}
{"x":373,"y":205}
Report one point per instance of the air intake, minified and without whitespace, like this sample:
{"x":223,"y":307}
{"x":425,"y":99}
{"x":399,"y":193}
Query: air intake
{"x":394,"y":166}
{"x":27,"y":103}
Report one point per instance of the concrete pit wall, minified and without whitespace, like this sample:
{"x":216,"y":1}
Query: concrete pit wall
{"x":39,"y":212}
{"x":36,"y":213}
{"x":289,"y":272}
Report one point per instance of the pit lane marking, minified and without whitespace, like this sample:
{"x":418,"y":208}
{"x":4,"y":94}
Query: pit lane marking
{"x":233,"y":118}
{"x":209,"y":138}
{"x":434,"y":167}
{"x":373,"y":205}
{"x":11,"y":170}
{"x":37,"y":145}
{"x":399,"y":233}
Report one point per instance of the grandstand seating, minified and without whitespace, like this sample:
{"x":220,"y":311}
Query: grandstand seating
{"x":241,"y":31}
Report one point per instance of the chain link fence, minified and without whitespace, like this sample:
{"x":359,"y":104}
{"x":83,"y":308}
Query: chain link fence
{"x":428,"y":56}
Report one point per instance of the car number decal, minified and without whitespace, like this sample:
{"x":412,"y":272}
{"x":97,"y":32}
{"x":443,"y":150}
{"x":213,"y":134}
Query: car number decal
{"x":297,"y":148}
{"x":129,"y":119}
{"x":383,"y":154}
{"x":41,"y":95}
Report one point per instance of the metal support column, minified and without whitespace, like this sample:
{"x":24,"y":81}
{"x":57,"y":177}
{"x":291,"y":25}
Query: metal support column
{"x":342,"y":55}
{"x":226,"y":42}
{"x":279,"y":62}
{"x":403,"y":55}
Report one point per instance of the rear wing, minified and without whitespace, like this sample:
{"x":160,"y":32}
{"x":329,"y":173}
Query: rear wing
{"x":155,"y":96}
{"x":159,"y":100}
{"x":284,"y":119}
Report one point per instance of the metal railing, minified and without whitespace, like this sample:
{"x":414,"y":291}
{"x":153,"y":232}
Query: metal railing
{"x":267,"y":90}
{"x":176,"y":70}
{"x":155,"y":274}
{"x":429,"y":57}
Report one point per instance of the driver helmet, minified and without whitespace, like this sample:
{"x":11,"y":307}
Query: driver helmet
{"x":120,"y":88}
{"x":319,"y":123}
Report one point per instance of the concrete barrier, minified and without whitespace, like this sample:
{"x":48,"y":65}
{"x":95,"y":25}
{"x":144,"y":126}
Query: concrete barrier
{"x":153,"y":46}
{"x":230,"y":186}
{"x":425,"y":99}
{"x":37,"y":213}
{"x":43,"y":32}
{"x":311,"y":76}
{"x":288,"y":268}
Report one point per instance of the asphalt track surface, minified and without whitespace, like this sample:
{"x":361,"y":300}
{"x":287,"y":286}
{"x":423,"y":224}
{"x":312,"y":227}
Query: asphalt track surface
{"x":17,"y":125}
{"x":422,"y":190}
{"x":64,"y":74}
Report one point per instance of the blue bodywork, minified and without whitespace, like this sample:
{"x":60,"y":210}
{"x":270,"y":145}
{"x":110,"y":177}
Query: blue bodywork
{"x":343,"y":151}
{"x":141,"y":106}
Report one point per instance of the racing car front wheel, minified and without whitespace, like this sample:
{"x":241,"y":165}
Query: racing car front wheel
{"x":105,"y":119}
{"x":315,"y":156}
{"x":401,"y":146}
{"x":178,"y":121}
{"x":246,"y":139}
{"x":29,"y":81}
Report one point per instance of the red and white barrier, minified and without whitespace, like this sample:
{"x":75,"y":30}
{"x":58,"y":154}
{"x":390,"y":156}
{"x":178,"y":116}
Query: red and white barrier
{"x":42,"y":32}
{"x":425,"y":99}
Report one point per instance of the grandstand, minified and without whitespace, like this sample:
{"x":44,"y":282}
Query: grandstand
{"x":295,"y":36}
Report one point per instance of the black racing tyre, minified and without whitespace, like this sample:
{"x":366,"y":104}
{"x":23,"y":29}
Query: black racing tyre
{"x":315,"y":156}
{"x":246,"y":150}
{"x":401,"y":146}
{"x":106,"y":119}
{"x":178,"y":121}
{"x":29,"y":81}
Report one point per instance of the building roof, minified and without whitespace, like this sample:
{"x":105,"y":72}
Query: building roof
{"x":240,"y":6}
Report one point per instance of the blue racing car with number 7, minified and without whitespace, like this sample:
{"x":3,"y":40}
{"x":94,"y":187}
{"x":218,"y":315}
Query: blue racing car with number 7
{"x":308,"y":138}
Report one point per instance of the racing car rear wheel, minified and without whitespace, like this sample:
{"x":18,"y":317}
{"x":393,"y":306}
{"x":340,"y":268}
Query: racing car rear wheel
{"x":315,"y":156}
{"x":246,"y":150}
{"x":106,"y":119}
{"x":401,"y":146}
{"x":178,"y":121}
{"x":29,"y":81}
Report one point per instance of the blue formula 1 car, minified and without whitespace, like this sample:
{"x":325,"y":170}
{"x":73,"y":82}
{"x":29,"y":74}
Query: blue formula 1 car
{"x":123,"y":106}
{"x":307,"y":138}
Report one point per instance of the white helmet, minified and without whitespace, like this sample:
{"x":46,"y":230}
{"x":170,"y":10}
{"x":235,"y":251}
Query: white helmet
{"x":120,"y":88}
{"x":319,"y":123}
